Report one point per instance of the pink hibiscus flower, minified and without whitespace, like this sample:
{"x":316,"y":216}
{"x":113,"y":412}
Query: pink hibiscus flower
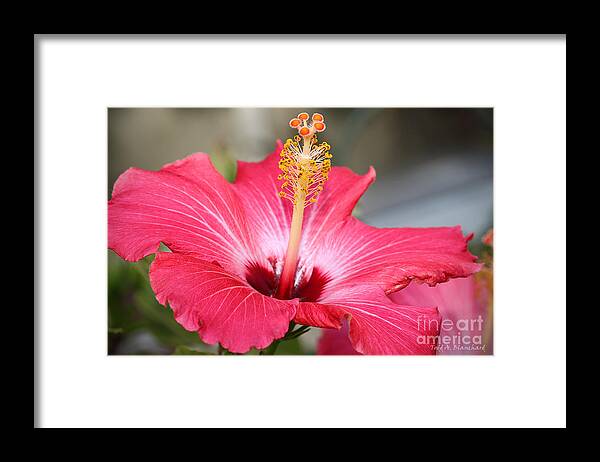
{"x":249,"y":257}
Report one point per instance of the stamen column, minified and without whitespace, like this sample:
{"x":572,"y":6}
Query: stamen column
{"x":286,"y":281}
{"x":304,"y":172}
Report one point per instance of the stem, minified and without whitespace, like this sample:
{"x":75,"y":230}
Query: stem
{"x":297,"y":333}
{"x":290,"y":335}
{"x":270,"y":350}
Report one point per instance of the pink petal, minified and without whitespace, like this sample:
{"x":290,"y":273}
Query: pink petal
{"x":336,"y":342}
{"x":188,"y":206}
{"x":268,"y":215}
{"x":219,"y":305}
{"x":463,"y":307}
{"x":335,"y":204}
{"x":319,"y":315}
{"x":378,"y":326}
{"x":356,"y":253}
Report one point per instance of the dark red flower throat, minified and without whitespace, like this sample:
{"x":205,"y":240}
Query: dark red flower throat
{"x":265,"y":281}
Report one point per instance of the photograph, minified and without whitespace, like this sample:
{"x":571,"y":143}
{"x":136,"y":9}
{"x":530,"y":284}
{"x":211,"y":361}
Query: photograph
{"x":300,"y":231}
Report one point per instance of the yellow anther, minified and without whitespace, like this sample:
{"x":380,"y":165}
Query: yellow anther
{"x":305,"y":165}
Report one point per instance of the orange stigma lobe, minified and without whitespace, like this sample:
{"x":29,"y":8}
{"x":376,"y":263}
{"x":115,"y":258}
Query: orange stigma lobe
{"x":319,"y":126}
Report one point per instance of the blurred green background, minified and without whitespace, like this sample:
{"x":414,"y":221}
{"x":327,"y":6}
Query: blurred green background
{"x":434,"y":168}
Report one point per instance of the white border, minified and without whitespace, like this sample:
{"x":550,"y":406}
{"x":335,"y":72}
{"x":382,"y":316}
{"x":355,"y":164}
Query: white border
{"x":522,"y":385}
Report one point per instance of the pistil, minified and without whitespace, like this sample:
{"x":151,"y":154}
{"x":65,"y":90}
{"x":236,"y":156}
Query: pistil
{"x":286,"y":281}
{"x":305,"y":170}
